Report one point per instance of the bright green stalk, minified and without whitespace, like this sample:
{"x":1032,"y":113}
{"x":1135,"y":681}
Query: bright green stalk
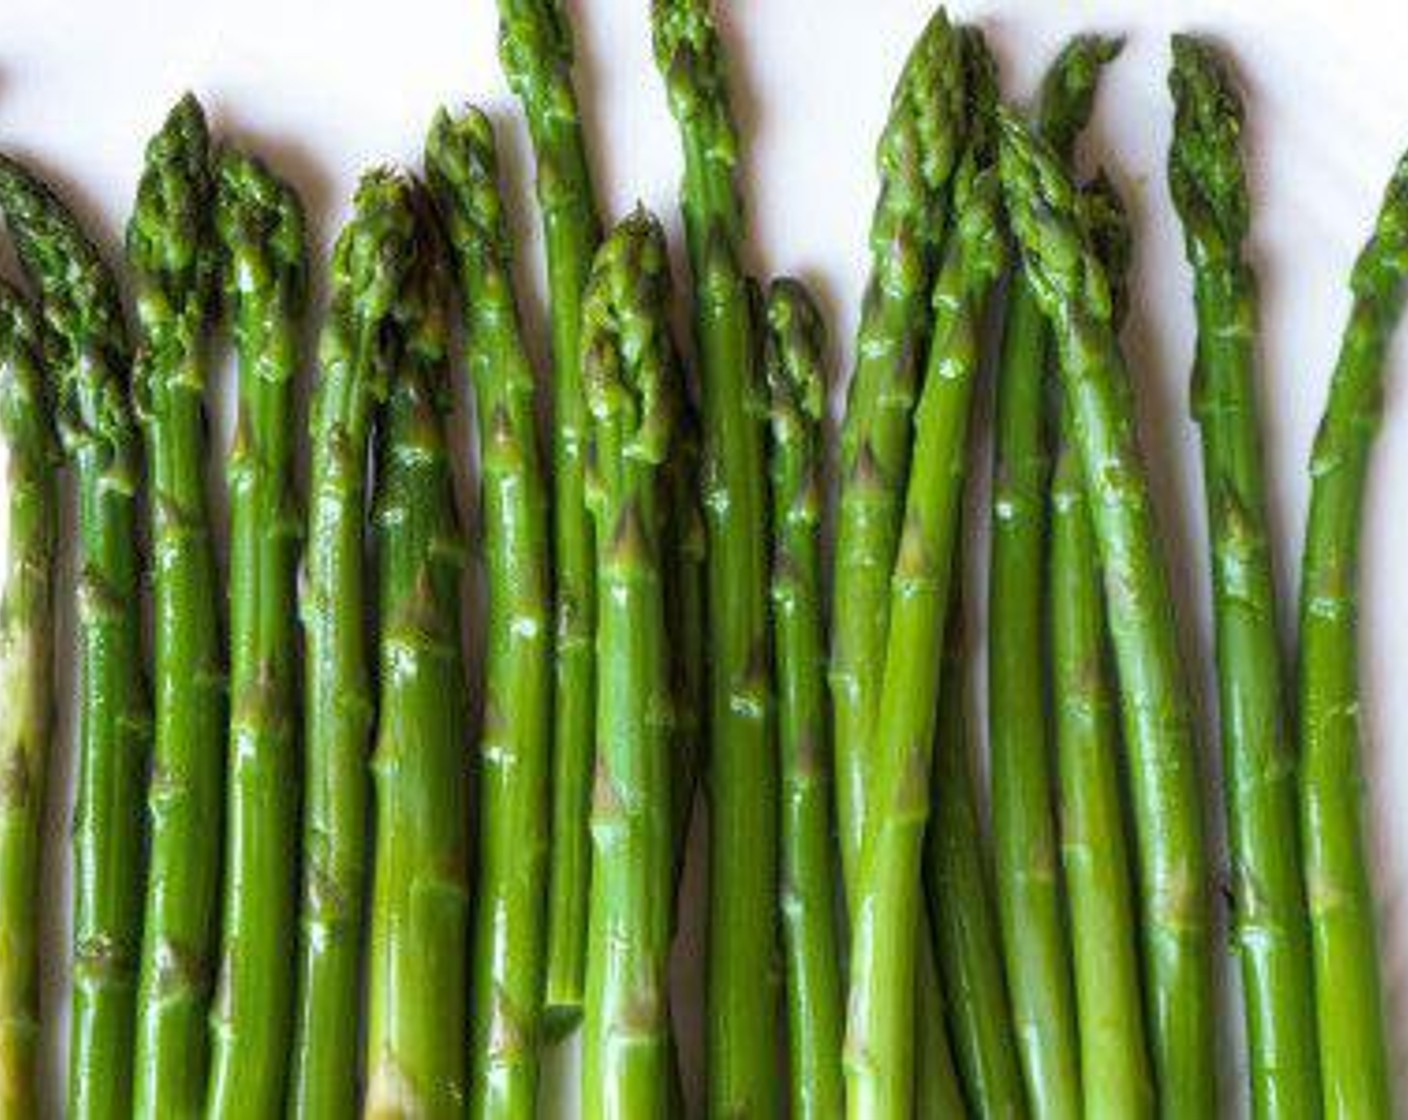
{"x":368,"y":276}
{"x":174,"y":260}
{"x":915,"y":159}
{"x":416,"y":967}
{"x":796,"y":377}
{"x":1026,"y":847}
{"x":535,"y":46}
{"x":1094,"y":846}
{"x":960,"y":899}
{"x":1071,"y":286}
{"x":508,"y":938}
{"x":632,"y":379}
{"x":880,"y":1024}
{"x":26,"y":678}
{"x":261,"y":228}
{"x":1348,"y":989}
{"x":90,"y":362}
{"x":742,"y":943}
{"x":1209,"y":188}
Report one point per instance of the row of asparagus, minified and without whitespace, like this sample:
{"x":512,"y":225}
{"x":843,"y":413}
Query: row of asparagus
{"x":656,"y":625}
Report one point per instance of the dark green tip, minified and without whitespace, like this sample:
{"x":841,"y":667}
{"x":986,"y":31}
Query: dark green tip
{"x":795,"y":356}
{"x":461,"y":165}
{"x":1107,"y":229}
{"x":1067,"y":94}
{"x":375,"y":251}
{"x":261,"y":228}
{"x":535,"y":49}
{"x":1205,"y":169}
{"x":629,"y":364}
{"x":24,"y":417}
{"x":1382,"y":266}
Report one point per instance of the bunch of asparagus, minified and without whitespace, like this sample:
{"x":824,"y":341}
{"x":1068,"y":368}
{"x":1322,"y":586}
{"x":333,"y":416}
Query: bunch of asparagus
{"x":446,"y":899}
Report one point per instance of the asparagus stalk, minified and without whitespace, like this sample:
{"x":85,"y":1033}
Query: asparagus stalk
{"x":173,"y":256}
{"x":261,"y":228}
{"x":1072,"y":288}
{"x":420,"y":895}
{"x":632,"y":379}
{"x":369,"y":268}
{"x":513,"y":753}
{"x":880,"y":1025}
{"x":1348,"y":989}
{"x":813,"y":980}
{"x":960,"y":898}
{"x":26,"y":678}
{"x":937,"y":1092}
{"x":1029,"y":903}
{"x":535,"y":46}
{"x":915,"y":160}
{"x":90,"y":362}
{"x":742,"y":1003}
{"x":1094,"y":846}
{"x":1209,"y":189}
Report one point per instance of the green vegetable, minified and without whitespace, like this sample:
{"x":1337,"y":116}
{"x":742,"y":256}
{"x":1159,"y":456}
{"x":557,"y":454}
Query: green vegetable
{"x":1348,"y":988}
{"x":417,"y":975}
{"x":508,"y":938}
{"x":797,"y":382}
{"x":632,"y":380}
{"x":1094,"y":846}
{"x":1027,"y":863}
{"x":1209,"y":187}
{"x":261,"y":228}
{"x":26,"y":677}
{"x":742,"y":943}
{"x":173,"y":257}
{"x":535,"y":46}
{"x":1072,"y":288}
{"x":89,"y":360}
{"x":880,"y":1026}
{"x":369,"y":269}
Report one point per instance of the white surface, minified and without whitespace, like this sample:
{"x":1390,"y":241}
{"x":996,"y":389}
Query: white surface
{"x":323,"y":88}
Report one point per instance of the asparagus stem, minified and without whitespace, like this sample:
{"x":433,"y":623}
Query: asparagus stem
{"x":1072,"y":289}
{"x":535,"y":45}
{"x":513,"y":753}
{"x":26,"y":679}
{"x":631,"y":376}
{"x":90,"y":362}
{"x":1027,"y":862}
{"x":1094,"y":846}
{"x":417,"y":973}
{"x":1348,"y":989}
{"x":1209,"y":188}
{"x":915,"y":159}
{"x":813,"y":980}
{"x":960,"y":899}
{"x":742,"y":990}
{"x":261,"y":228}
{"x":880,"y":1025}
{"x":174,"y":260}
{"x":937,"y":1092}
{"x":369,"y":269}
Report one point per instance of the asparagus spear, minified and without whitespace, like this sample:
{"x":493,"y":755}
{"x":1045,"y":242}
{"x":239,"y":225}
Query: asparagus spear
{"x":261,"y":229}
{"x":1072,"y":289}
{"x":535,"y":45}
{"x":1094,"y":847}
{"x":369,"y":268}
{"x":960,"y":899}
{"x":513,"y":754}
{"x":1348,"y":990}
{"x":1209,"y":189}
{"x":90,"y":360}
{"x":813,"y":984}
{"x":420,"y":896}
{"x":174,"y":261}
{"x":880,"y":1024}
{"x":632,"y":380}
{"x":742,"y":1004}
{"x":916,"y":155}
{"x":1029,"y":903}
{"x":26,"y":679}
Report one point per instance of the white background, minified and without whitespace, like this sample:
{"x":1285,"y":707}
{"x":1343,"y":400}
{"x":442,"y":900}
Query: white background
{"x":323,"y":88}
